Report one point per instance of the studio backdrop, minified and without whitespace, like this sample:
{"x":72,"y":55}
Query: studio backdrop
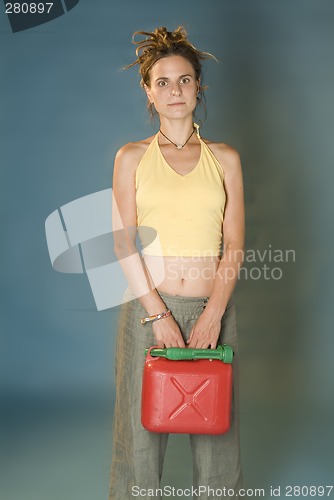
{"x":66,"y":108}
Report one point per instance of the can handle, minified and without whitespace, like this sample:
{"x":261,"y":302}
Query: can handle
{"x":149,"y":356}
{"x":223,"y":353}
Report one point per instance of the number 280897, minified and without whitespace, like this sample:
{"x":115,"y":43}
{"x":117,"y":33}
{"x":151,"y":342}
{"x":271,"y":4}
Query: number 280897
{"x":28,"y":8}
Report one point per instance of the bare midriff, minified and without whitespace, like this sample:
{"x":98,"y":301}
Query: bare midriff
{"x":184,"y":276}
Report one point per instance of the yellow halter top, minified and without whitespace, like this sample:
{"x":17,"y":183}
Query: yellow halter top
{"x":185,"y":211}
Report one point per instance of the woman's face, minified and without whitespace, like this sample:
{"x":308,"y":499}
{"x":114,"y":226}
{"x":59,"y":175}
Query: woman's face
{"x":173,"y":87}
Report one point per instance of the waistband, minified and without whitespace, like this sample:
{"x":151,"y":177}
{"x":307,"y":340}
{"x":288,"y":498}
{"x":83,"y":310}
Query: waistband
{"x":177,"y":300}
{"x":129,"y":295}
{"x":182,"y":298}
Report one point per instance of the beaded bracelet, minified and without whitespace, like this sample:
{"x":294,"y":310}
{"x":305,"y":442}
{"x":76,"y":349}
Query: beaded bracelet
{"x":155,"y":317}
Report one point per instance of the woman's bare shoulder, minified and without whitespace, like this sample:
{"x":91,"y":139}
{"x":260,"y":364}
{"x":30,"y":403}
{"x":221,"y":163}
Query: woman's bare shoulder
{"x":132,"y":152}
{"x":227,"y":156}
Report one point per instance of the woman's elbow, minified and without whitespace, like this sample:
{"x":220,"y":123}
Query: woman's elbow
{"x":123,"y":248}
{"x":235,"y":250}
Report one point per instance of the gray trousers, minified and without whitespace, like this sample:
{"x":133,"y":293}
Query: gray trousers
{"x":137,"y":456}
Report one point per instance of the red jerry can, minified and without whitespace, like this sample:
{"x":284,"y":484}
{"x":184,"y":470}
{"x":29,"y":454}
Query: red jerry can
{"x":191,"y":396}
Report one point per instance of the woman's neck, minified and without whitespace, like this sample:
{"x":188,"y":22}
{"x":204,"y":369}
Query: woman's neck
{"x":177,"y":131}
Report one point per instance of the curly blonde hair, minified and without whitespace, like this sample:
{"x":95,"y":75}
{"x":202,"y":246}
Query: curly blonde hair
{"x":162,"y":43}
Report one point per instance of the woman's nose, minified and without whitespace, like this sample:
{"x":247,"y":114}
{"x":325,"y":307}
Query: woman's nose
{"x":176,"y":91}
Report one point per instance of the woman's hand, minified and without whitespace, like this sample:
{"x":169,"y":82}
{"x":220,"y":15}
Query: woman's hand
{"x":205,"y":332}
{"x":167,"y":333}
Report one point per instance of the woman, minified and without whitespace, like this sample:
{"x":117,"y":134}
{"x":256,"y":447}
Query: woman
{"x":183,"y":194}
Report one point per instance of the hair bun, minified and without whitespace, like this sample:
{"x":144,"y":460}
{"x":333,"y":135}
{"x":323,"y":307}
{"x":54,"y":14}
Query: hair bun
{"x":159,"y":39}
{"x":168,"y":38}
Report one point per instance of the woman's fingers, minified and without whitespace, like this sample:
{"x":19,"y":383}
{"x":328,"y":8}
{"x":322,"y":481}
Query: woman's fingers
{"x":205,"y":333}
{"x":190,"y":337}
{"x":167,"y":333}
{"x":201,"y":336}
{"x":203,"y":340}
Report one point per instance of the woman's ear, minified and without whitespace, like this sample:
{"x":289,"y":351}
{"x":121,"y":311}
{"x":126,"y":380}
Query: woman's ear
{"x":148,"y":93}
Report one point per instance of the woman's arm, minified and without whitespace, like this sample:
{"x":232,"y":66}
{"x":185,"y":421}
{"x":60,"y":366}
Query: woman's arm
{"x":124,"y":219}
{"x":206,"y":331}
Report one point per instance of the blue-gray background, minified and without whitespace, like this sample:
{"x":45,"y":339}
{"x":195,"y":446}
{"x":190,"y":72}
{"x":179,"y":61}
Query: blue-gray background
{"x":65,"y":110}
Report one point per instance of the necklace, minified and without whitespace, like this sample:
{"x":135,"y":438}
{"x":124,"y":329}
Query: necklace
{"x":178,"y":146}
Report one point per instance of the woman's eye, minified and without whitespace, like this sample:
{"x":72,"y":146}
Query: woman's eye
{"x":185,"y":80}
{"x":162,"y":83}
